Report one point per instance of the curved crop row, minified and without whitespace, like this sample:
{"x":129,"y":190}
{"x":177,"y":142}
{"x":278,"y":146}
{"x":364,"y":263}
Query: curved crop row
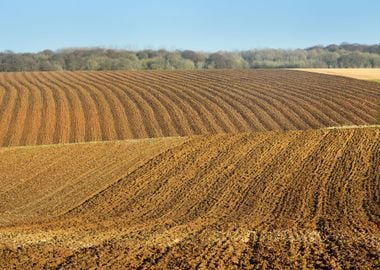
{"x":61,"y":107}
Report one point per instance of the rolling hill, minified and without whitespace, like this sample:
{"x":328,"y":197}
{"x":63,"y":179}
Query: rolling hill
{"x":61,"y":107}
{"x":256,"y":199}
{"x":211,"y":169}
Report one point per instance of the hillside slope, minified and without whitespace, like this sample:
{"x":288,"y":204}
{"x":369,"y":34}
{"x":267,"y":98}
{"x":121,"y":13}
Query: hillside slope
{"x":60,"y":107}
{"x":280,"y":199}
{"x":46,"y":181}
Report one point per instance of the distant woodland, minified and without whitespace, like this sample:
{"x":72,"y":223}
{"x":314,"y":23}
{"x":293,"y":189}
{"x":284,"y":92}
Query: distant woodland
{"x":333,"y":56}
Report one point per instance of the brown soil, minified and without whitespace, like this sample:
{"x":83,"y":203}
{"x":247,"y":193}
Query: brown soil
{"x":60,"y":107}
{"x":275,"y":200}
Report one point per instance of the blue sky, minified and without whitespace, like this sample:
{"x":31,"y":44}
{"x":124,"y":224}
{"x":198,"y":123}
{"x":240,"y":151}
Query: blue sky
{"x":208,"y":25}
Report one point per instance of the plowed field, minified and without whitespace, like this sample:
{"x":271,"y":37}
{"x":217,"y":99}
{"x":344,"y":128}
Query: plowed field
{"x":295,"y":199}
{"x":62,"y":107}
{"x":45,"y":181}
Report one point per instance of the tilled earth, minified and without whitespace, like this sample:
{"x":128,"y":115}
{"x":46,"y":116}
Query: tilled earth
{"x":275,"y":200}
{"x":65,"y":107}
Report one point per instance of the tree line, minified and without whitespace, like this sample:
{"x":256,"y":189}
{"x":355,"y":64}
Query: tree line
{"x":333,"y":56}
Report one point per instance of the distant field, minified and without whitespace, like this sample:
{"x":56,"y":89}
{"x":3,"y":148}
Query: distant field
{"x":370,"y":74}
{"x":296,"y":199}
{"x":60,"y":107}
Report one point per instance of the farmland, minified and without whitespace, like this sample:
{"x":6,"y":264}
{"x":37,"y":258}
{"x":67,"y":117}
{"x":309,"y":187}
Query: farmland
{"x":69,"y":174}
{"x":65,"y":107}
{"x":280,"y":199}
{"x":369,"y":74}
{"x":207,"y":169}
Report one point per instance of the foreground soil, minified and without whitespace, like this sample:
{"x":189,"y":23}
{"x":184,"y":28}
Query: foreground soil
{"x":61,"y":107}
{"x":275,"y":200}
